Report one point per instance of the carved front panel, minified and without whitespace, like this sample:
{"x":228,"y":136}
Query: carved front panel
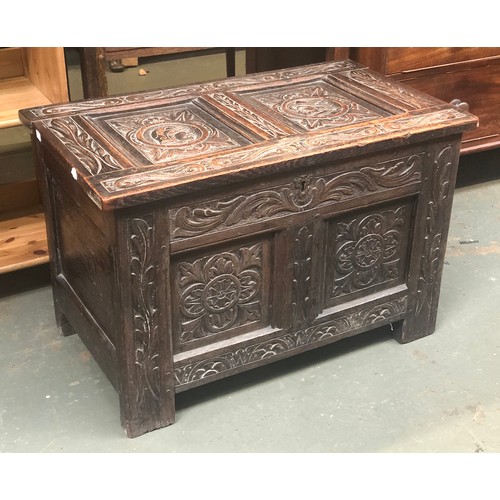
{"x":221,"y":293}
{"x":314,"y":105}
{"x":367,"y":251}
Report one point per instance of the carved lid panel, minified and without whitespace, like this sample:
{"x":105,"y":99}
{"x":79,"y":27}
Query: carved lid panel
{"x":135,"y":148}
{"x":166,"y":134}
{"x":313,"y":105}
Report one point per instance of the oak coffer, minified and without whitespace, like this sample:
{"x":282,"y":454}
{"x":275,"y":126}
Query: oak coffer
{"x":200,"y":231}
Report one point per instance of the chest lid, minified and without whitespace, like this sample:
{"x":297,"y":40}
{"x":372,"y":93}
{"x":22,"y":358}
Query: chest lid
{"x":149,"y":145}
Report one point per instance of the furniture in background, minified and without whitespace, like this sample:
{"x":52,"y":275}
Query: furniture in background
{"x":228,"y":224}
{"x":29,"y":76}
{"x":260,"y":59}
{"x":471,"y":74}
{"x":93,"y":62}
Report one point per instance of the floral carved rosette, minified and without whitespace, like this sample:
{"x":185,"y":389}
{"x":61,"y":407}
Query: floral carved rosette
{"x":220,"y":292}
{"x":368,"y":250}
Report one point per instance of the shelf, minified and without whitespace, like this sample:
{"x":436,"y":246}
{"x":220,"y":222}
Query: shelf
{"x":29,"y":77}
{"x":23,"y":240}
{"x":18,"y":93}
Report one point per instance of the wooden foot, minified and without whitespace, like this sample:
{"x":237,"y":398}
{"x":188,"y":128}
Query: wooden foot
{"x":139,"y":416}
{"x":404,"y":333}
{"x":63,"y":325}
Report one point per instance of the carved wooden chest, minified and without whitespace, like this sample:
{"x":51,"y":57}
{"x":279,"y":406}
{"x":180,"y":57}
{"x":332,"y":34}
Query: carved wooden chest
{"x":200,"y":231}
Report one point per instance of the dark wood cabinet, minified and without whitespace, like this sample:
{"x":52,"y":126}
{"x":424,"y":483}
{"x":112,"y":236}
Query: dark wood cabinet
{"x":204,"y":230}
{"x":471,"y":74}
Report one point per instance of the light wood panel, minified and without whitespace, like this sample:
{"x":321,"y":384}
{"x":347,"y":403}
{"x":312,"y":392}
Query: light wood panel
{"x":15,"y":94}
{"x":11,"y":62}
{"x":29,"y":76}
{"x":23,"y":242}
{"x":46,"y":70}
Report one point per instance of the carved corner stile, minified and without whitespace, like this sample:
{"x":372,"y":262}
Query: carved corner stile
{"x":440,"y":182}
{"x":145,"y":347}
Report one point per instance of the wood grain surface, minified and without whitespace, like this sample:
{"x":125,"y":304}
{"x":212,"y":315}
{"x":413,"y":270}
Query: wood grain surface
{"x":198,"y":232}
{"x":23,"y":242}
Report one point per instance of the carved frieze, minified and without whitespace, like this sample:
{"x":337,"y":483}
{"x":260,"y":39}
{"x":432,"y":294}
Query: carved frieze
{"x":305,"y":193}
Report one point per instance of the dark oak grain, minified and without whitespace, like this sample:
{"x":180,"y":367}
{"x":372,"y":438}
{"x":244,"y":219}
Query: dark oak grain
{"x":201,"y":231}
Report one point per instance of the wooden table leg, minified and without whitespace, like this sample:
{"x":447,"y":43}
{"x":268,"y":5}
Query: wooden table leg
{"x":231,"y":61}
{"x":93,"y":66}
